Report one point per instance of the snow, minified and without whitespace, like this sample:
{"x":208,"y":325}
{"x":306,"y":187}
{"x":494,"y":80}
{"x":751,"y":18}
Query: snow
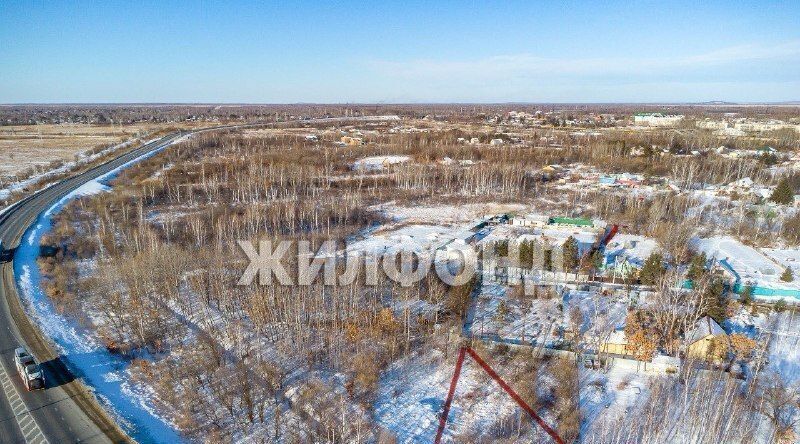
{"x":744,"y":322}
{"x":80,"y":349}
{"x":703,"y":328}
{"x":521,"y":321}
{"x":636,"y":249}
{"x":444,"y":214}
{"x":377,"y":163}
{"x":552,"y":235}
{"x":752,"y":266}
{"x":413,"y":390}
{"x":84,"y":159}
{"x":784,"y":347}
{"x":601,"y":315}
{"x":789,"y":257}
{"x":414,"y":238}
{"x":606,"y":396}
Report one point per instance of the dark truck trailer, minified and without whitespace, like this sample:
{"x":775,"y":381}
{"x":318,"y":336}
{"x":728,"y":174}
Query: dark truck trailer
{"x":29,"y":370}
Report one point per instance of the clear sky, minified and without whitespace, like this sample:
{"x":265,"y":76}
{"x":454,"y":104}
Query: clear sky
{"x":405,"y":51}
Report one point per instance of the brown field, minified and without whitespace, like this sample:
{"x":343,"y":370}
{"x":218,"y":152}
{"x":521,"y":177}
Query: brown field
{"x":25,"y":149}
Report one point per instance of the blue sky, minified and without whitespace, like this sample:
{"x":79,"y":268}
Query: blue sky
{"x":405,"y":51}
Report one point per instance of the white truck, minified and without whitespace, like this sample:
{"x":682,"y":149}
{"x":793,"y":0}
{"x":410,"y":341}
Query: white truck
{"x":28,"y":369}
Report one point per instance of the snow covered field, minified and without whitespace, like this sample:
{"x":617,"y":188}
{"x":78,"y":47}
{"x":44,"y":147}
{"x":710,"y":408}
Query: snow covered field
{"x":416,"y":238}
{"x":377,"y":163}
{"x":443,"y":214}
{"x":783,"y":329}
{"x":413,"y":390}
{"x":83,"y":159}
{"x":789,"y":257}
{"x":752,"y":266}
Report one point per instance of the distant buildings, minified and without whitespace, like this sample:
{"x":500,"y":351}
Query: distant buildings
{"x":352,"y":141}
{"x":742,"y":126}
{"x":657,"y":119}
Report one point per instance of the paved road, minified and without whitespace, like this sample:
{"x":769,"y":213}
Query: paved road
{"x":66,"y":412}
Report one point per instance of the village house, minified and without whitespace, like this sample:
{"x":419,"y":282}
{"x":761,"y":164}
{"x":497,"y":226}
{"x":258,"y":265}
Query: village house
{"x":352,"y":141}
{"x":703,"y":339}
{"x":616,"y":344}
{"x":530,"y":220}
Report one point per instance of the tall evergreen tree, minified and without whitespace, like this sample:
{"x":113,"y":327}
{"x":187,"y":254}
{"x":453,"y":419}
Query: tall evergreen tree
{"x":787,"y":275}
{"x":570,"y":249}
{"x":652,"y":270}
{"x":715,"y":295}
{"x":697,"y":267}
{"x":783,"y":193}
{"x":746,"y":297}
{"x":597,"y":260}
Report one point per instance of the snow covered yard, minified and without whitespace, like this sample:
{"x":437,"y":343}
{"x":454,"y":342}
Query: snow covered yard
{"x":444,"y":214}
{"x":504,"y":318}
{"x":608,"y":396}
{"x":413,"y":390}
{"x":783,"y":330}
{"x":748,"y":265}
{"x":593,"y":315}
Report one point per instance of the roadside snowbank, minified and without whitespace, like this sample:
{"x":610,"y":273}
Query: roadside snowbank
{"x":80,"y":349}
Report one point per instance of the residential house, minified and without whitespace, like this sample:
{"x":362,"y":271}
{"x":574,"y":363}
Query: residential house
{"x":530,"y":220}
{"x":616,"y":343}
{"x":703,"y":338}
{"x":352,"y":141}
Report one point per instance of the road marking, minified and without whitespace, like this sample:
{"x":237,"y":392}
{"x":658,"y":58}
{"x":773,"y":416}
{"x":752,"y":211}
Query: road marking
{"x":26,"y":422}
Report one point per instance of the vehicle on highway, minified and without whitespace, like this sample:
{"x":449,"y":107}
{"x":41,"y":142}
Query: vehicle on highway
{"x":29,"y":370}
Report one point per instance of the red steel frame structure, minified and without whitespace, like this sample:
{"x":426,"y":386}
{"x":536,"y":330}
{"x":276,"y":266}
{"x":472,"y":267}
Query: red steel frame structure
{"x":457,"y":373}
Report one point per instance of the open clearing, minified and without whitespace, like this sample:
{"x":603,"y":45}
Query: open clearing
{"x":23,"y":147}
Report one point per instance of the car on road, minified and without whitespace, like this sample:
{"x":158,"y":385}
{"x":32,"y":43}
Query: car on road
{"x":29,"y":370}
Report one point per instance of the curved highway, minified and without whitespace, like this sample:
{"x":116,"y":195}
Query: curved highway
{"x":67,"y":411}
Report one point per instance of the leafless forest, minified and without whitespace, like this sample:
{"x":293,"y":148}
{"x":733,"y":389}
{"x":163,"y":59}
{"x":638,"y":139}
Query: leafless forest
{"x":153,"y":265}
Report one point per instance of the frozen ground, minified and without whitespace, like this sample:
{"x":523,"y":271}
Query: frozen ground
{"x":416,"y":238}
{"x":444,"y":214}
{"x":85,"y":355}
{"x":635,"y":248}
{"x":377,"y":163}
{"x":599,"y":315}
{"x":751,"y":265}
{"x":413,"y":390}
{"x":783,"y":329}
{"x":788,"y":257}
{"x":608,"y":396}
{"x":515,"y":320}
{"x":38,"y":178}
